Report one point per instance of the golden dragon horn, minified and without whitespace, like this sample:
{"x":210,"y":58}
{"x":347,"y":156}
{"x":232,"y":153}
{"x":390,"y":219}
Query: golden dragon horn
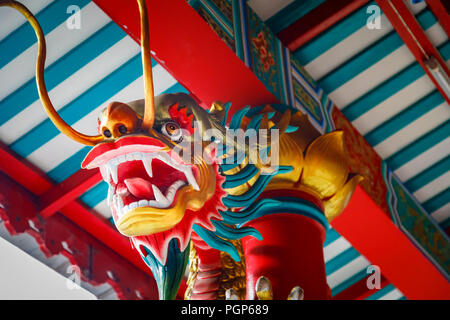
{"x":40,"y":66}
{"x":149,"y":113}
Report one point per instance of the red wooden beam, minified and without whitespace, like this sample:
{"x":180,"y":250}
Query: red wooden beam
{"x":441,"y":13}
{"x":34,"y":180}
{"x":374,"y":234}
{"x":317,"y":21}
{"x":359,"y":290}
{"x":62,"y":194}
{"x":414,"y":37}
{"x":186,"y":46}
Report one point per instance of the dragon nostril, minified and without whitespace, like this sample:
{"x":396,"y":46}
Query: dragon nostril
{"x":123,"y":129}
{"x":107,"y":133}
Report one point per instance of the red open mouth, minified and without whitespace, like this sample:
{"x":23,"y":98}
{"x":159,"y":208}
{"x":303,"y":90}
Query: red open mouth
{"x":140,"y":173}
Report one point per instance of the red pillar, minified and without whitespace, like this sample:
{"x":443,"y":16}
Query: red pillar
{"x":290,"y":254}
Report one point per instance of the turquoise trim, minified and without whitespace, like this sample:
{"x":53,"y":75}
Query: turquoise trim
{"x":445,"y":224}
{"x":237,"y":29}
{"x":291,"y":13}
{"x":349,"y":282}
{"x":265,"y":207}
{"x":418,"y":146}
{"x":404,"y":118}
{"x":383,"y":91}
{"x":215,"y":242}
{"x":220,"y":17}
{"x":61,"y":69}
{"x":332,"y":235}
{"x":24,"y":37}
{"x":95,"y":195}
{"x":332,"y":36}
{"x":69,"y":166}
{"x":250,"y":196}
{"x":382,"y":292}
{"x":389,"y":87}
{"x":428,"y":175}
{"x":438,"y":201}
{"x":168,"y":277}
{"x":85,"y":103}
{"x":340,"y":260}
{"x":370,"y":56}
{"x":241,"y":177}
{"x":227,"y":232}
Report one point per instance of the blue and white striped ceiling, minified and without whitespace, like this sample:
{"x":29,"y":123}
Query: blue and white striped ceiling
{"x":371,"y":76}
{"x":376,"y":82}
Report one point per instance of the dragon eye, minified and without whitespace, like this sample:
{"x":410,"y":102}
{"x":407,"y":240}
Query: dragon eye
{"x":172,"y":130}
{"x":107,"y":133}
{"x":123,"y":129}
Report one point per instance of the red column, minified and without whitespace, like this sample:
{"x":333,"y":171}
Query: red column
{"x":290,"y":254}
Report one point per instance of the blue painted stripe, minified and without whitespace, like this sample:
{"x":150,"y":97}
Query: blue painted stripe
{"x":428,"y":175}
{"x":332,"y":235}
{"x":61,"y":70}
{"x":380,"y":293}
{"x":177,"y":87}
{"x":370,"y":56}
{"x":24,"y":37}
{"x":95,"y":195}
{"x":85,"y":103}
{"x":349,"y":282}
{"x":445,"y":224}
{"x":342,"y":259}
{"x":291,"y":13}
{"x":333,"y":35}
{"x":69,"y":166}
{"x":438,"y":201}
{"x":404,"y":118}
{"x":417,"y":147}
{"x":362,"y":61}
{"x":383,"y":91}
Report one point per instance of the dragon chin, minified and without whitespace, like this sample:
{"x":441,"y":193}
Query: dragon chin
{"x":158,"y":243}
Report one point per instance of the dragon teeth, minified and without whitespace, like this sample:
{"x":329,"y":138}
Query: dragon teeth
{"x":147,"y":161}
{"x":159,"y":197}
{"x":190,"y":178}
{"x":170,"y":194}
{"x":110,"y":194}
{"x":112,"y":171}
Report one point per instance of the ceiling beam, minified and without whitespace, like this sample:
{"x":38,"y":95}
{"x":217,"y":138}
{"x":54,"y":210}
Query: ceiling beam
{"x":414,"y":37}
{"x":441,"y":13}
{"x":60,"y":195}
{"x":317,"y":21}
{"x":373,"y":233}
{"x":186,"y":46}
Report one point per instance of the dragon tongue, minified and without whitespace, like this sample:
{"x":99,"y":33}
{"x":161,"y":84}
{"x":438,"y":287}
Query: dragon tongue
{"x":140,"y":188}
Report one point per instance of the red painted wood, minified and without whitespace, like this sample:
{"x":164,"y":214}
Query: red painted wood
{"x":183,"y":43}
{"x":418,"y":43}
{"x":68,"y":190}
{"x":290,"y":254}
{"x":359,"y":290}
{"x":34,"y":180}
{"x":374,"y":234}
{"x":317,"y":21}
{"x":440,"y":12}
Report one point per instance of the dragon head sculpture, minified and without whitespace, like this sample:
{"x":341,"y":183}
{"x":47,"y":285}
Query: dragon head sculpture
{"x":176,"y":175}
{"x":159,"y":186}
